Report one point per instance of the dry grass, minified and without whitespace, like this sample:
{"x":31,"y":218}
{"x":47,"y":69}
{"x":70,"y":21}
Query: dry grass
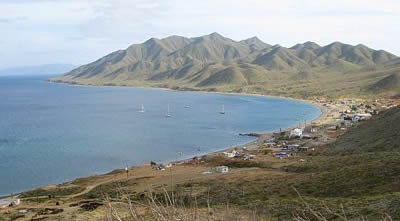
{"x":308,"y":213}
{"x":167,"y":206}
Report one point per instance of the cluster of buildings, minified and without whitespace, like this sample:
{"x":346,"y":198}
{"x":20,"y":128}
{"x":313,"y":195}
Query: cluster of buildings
{"x":291,"y":150}
{"x":287,"y":144}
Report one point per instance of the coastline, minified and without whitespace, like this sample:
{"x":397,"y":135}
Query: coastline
{"x":223,"y":149}
{"x":261,"y":136}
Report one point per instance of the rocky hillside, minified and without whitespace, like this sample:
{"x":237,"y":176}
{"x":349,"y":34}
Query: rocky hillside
{"x":214,"y":62}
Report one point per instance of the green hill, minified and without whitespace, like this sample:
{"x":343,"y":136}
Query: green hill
{"x":214,"y":62}
{"x":231,"y":75}
{"x":363,"y":162}
{"x":381,"y":134}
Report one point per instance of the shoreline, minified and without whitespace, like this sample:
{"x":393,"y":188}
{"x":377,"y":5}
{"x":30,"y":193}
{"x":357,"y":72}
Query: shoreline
{"x":257,"y":139}
{"x":178,"y":90}
{"x":262,"y":135}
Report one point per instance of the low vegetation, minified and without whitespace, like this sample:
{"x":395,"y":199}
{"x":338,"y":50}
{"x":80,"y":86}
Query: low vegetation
{"x":53,"y":192}
{"x":234,"y":163}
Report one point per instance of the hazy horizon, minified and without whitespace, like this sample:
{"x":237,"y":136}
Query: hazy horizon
{"x":32,"y":70}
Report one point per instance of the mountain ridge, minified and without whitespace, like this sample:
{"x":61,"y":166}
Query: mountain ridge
{"x":214,"y":62}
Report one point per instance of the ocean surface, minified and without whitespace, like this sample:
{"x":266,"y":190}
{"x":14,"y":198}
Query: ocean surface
{"x":52,"y":133}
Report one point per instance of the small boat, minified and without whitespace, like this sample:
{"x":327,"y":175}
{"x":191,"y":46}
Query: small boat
{"x":168,"y":113}
{"x":222,"y":110}
{"x":142,"y":110}
{"x":187,"y":106}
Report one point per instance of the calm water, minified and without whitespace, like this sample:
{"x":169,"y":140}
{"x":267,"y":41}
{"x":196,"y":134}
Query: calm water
{"x":52,"y":133}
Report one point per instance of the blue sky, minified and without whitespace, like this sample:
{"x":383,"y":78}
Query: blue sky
{"x":35,"y":32}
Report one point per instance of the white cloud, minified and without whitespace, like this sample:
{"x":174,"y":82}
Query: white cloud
{"x":79,"y":31}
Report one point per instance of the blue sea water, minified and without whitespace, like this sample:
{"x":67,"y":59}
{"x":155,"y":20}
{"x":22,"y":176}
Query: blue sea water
{"x":52,"y":133}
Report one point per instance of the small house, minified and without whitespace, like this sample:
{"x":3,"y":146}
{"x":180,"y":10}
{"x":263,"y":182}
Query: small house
{"x":15,"y":202}
{"x":360,"y":117}
{"x":291,"y":147}
{"x":232,"y":154}
{"x":222,"y":169}
{"x":270,"y":144}
{"x":248,"y":157}
{"x":297,"y":132}
{"x":281,"y":154}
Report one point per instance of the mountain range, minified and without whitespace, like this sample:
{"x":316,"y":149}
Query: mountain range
{"x":216,"y":63}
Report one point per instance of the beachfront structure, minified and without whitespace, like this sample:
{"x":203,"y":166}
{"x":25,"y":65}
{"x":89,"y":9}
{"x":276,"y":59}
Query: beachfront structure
{"x":270,"y":144}
{"x":232,"y":154}
{"x":222,"y":169}
{"x":4,"y":203}
{"x":297,"y":132}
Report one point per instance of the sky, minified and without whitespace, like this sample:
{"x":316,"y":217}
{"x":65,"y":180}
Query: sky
{"x":35,"y":32}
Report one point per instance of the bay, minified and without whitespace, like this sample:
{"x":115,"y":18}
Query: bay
{"x":52,"y":133}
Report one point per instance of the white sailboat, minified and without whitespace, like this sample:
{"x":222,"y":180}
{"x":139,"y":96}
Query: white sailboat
{"x":222,"y":110}
{"x":142,"y":110}
{"x":168,"y":113}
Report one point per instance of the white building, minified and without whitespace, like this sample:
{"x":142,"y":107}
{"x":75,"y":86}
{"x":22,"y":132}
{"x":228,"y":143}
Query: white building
{"x":222,"y":169}
{"x":232,"y":154}
{"x":270,"y":144}
{"x":9,"y":202}
{"x":364,"y":116}
{"x":297,"y":132}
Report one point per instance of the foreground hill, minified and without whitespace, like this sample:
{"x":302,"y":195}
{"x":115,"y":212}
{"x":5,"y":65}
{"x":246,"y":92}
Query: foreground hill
{"x":365,"y":160}
{"x":357,"y":175}
{"x":216,"y":63}
{"x":381,"y":134}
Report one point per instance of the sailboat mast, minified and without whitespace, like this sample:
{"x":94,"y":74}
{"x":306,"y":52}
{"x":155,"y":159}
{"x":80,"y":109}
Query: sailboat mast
{"x":223,"y":110}
{"x":168,"y":114}
{"x":142,"y":110}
